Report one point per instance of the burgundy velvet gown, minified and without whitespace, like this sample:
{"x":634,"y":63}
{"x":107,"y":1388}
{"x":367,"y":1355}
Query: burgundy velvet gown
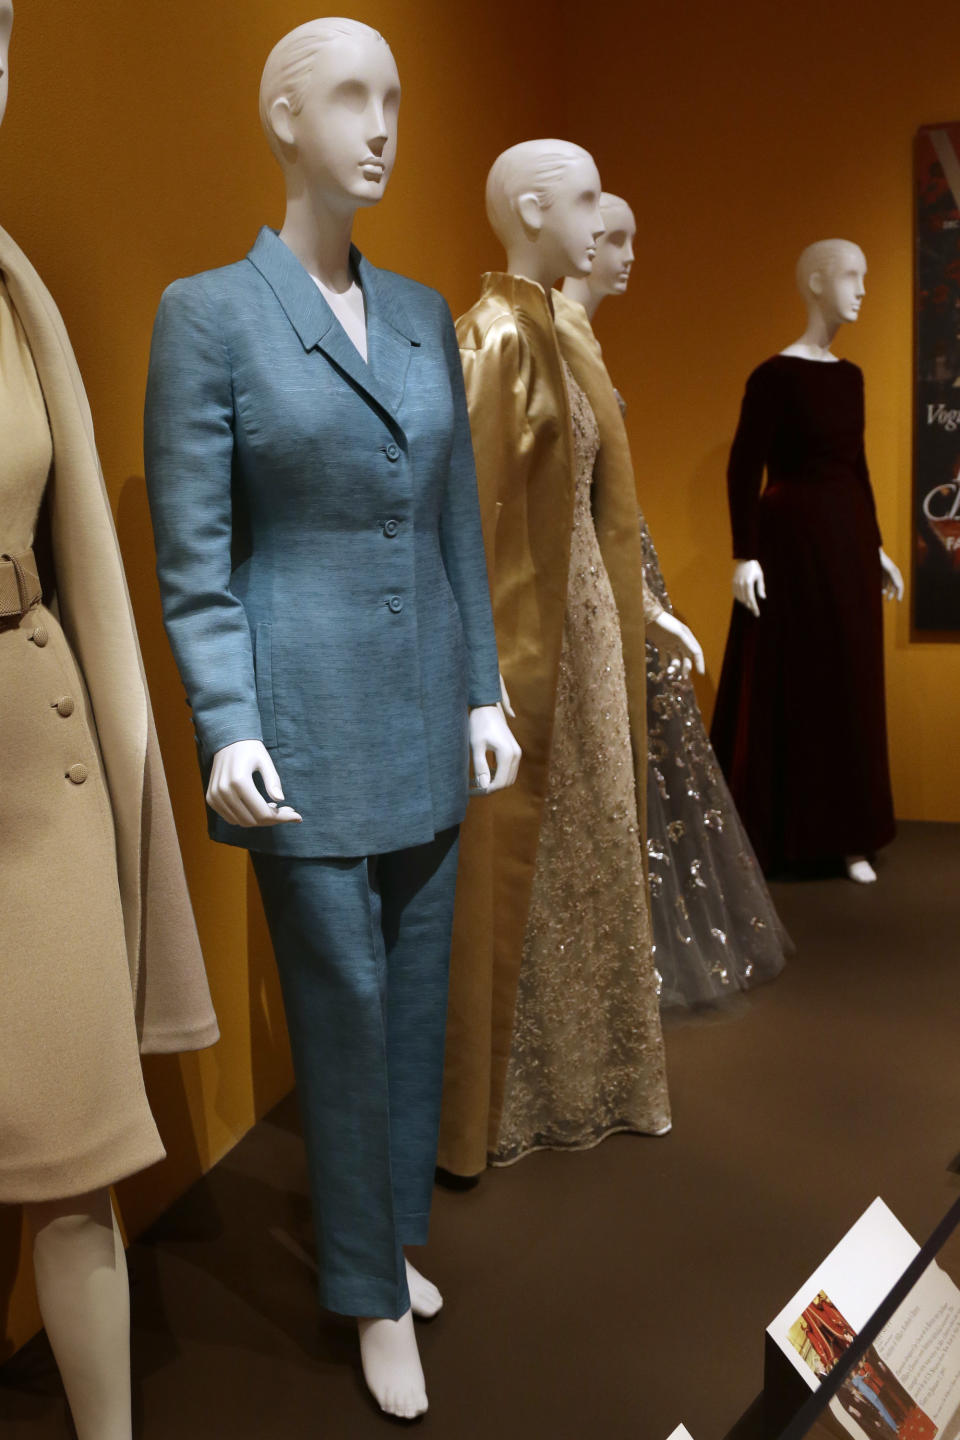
{"x":800,"y":722}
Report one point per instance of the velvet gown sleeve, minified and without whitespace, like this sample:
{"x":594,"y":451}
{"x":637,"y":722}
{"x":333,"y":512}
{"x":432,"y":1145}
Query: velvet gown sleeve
{"x":749,"y":454}
{"x":864,"y":475}
{"x":462,"y":541}
{"x":188,"y":451}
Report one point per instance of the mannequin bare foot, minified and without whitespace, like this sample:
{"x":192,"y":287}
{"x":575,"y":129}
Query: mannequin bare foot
{"x":425,"y":1299}
{"x":859,"y":869}
{"x":391,"y":1366}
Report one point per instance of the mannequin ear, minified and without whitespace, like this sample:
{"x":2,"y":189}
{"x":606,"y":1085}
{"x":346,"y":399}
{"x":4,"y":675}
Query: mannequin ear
{"x":281,"y":120}
{"x":531,"y":216}
{"x":816,"y":283}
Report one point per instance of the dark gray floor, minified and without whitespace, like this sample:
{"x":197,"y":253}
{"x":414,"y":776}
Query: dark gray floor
{"x":611,"y":1293}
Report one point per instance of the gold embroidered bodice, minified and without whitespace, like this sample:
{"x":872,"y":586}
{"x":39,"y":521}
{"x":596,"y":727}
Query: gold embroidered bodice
{"x":587,"y":1052}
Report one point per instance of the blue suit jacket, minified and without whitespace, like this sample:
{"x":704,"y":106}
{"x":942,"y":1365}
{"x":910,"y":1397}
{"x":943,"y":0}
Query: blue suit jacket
{"x":319,"y":547}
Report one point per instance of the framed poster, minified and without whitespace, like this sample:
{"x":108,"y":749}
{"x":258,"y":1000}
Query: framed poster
{"x":936,"y":470}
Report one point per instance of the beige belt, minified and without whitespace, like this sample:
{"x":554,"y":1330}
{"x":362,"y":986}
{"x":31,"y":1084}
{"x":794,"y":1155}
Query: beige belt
{"x":20,"y":586}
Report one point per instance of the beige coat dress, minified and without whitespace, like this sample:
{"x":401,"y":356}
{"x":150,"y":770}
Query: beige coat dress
{"x":99,"y":957}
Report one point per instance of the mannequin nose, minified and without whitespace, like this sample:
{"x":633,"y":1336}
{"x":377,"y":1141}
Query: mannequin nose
{"x":378,"y":130}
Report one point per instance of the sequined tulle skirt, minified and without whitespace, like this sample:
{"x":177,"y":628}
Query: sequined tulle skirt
{"x":715,"y":928}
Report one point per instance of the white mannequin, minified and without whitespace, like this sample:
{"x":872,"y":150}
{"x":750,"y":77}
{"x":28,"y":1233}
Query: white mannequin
{"x":830,"y":277}
{"x":556,"y":236}
{"x":330,"y":115}
{"x":610,"y":273}
{"x":78,"y":1259}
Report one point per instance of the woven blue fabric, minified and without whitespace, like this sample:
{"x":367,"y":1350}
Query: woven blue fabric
{"x":319,"y":547}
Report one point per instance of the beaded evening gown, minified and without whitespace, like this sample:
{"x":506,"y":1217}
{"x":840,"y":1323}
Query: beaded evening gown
{"x":715,"y":928}
{"x":587,"y":1054}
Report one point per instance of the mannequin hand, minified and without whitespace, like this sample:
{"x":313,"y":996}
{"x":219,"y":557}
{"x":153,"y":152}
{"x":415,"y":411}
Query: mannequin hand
{"x":748,"y":585}
{"x":892,"y":579}
{"x":232,"y":793}
{"x":505,"y":699}
{"x":676,"y":642}
{"x":490,"y":731}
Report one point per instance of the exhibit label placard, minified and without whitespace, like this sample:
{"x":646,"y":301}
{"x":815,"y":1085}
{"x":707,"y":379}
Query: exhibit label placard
{"x":904,"y":1386}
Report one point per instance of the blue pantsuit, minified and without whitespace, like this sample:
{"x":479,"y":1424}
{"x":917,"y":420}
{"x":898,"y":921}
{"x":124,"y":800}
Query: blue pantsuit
{"x":363,"y":950}
{"x":324,"y":589}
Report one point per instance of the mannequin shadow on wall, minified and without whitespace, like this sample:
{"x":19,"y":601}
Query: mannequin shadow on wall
{"x":706,"y":501}
{"x":164,"y":1075}
{"x":235,"y":1258}
{"x":268,"y":1265}
{"x":267,"y":1057}
{"x":32,"y":1398}
{"x":11,"y":1239}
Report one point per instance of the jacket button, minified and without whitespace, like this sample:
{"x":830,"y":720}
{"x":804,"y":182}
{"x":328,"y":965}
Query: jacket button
{"x":393,"y":451}
{"x":395,"y":604}
{"x":64,"y":706}
{"x":40,"y":636}
{"x":77,"y":773}
{"x":391,"y":528}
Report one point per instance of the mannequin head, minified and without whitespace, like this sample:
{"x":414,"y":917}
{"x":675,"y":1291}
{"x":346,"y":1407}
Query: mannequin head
{"x":830,"y":276}
{"x":6,"y":23}
{"x":329,"y":97}
{"x":614,"y":257}
{"x":543,"y":202}
{"x":611,"y":268}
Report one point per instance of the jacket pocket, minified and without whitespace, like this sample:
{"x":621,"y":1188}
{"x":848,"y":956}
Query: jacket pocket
{"x":263,"y":665}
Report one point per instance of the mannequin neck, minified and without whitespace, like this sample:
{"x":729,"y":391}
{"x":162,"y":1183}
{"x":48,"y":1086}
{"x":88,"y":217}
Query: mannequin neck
{"x":575,"y":287}
{"x":530,"y":263}
{"x":320,"y":237}
{"x":819,"y":335}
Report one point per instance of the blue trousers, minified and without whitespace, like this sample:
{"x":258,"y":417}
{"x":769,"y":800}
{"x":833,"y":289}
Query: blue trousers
{"x":872,"y":1398}
{"x":363,"y":950}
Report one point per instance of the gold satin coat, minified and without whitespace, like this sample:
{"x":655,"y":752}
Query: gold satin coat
{"x":512,"y":349}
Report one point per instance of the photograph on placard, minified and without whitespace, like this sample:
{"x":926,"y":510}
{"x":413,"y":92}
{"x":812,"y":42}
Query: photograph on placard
{"x":857,"y":1275}
{"x":878,"y":1405}
{"x":872,"y":1398}
{"x":821,"y":1334}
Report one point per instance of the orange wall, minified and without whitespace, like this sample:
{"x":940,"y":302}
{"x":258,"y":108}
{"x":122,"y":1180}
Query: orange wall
{"x":132,"y":154}
{"x":740,"y":133}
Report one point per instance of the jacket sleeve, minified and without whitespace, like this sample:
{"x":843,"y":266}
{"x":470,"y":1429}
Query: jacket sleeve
{"x":462,"y":540}
{"x":749,"y":454}
{"x":503,"y":439}
{"x":188,"y":450}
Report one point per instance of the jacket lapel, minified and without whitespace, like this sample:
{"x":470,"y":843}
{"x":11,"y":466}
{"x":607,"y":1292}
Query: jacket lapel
{"x":390,"y":336}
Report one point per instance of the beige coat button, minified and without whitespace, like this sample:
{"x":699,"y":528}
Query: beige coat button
{"x":64,"y":706}
{"x":77,"y":773}
{"x":40,"y":636}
